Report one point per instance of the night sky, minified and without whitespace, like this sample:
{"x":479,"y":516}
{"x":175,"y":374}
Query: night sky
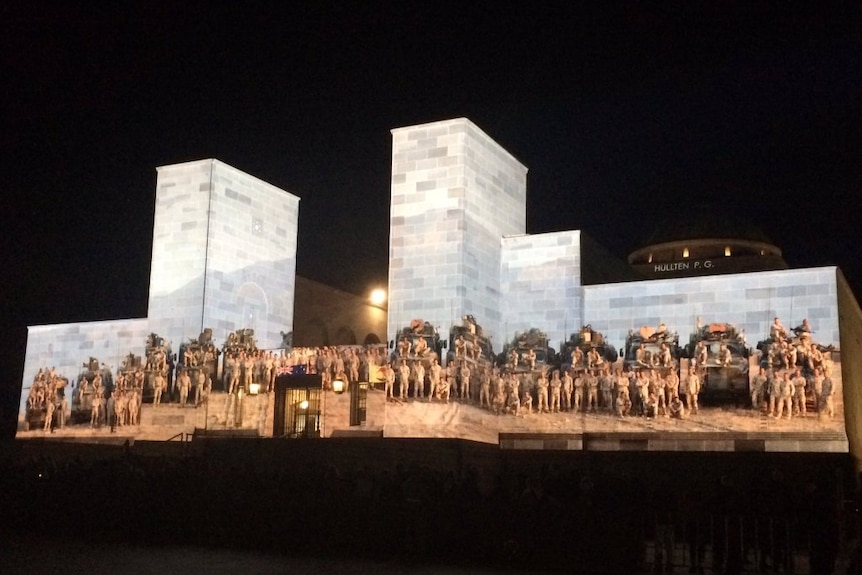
{"x":625,"y":118}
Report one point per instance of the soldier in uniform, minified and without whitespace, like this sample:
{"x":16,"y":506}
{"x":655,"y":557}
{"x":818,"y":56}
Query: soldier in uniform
{"x":460,"y":347}
{"x":247,"y":370}
{"x":421,"y":347}
{"x":606,"y":385}
{"x":531,"y":359}
{"x":568,"y":387}
{"x":485,"y":390}
{"x":465,"y":381}
{"x":594,"y":359}
{"x":825,"y":405}
{"x":579,"y":391}
{"x":403,"y":379}
{"x":96,"y":409}
{"x":665,"y":358}
{"x":444,"y":387}
{"x":773,"y":390}
{"x":758,"y":386}
{"x":158,"y":388}
{"x":777,"y":332}
{"x":200,"y":384}
{"x":642,"y":356}
{"x":623,"y":404}
{"x":50,"y":407}
{"x":657,"y":388}
{"x":692,"y":389}
{"x":556,"y":391}
{"x":724,"y":356}
{"x":542,"y":385}
{"x":526,"y":402}
{"x":677,"y":411}
{"x":434,"y":375}
{"x":577,"y":357}
{"x":701,"y":354}
{"x":592,"y":385}
{"x":513,"y":358}
{"x":499,"y":400}
{"x":269,"y":371}
{"x":389,"y":385}
{"x":785,"y":396}
{"x":799,"y":384}
{"x":185,"y":382}
{"x":419,"y":380}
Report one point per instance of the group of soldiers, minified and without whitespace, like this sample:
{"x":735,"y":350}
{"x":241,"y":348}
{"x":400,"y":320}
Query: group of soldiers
{"x":44,"y":395}
{"x":788,"y":353}
{"x":786,"y":393}
{"x":647,"y":392}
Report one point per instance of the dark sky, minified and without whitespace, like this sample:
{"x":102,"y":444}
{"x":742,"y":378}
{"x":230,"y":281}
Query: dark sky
{"x":624,"y":118}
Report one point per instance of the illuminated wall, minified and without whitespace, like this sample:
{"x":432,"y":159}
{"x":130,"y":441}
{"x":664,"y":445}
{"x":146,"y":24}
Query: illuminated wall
{"x":455,"y":193}
{"x":749,"y":301}
{"x":541,"y":283}
{"x":224,"y":253}
{"x":224,"y":257}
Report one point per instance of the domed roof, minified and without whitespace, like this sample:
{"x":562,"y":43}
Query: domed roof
{"x":704,"y":222}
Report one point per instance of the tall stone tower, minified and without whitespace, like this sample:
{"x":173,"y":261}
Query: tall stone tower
{"x":224,"y":253}
{"x":455,"y":194}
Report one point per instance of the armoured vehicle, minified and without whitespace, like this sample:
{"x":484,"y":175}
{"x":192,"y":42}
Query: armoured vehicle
{"x":799,"y":350}
{"x":586,"y":349}
{"x":417,"y":342}
{"x":650,"y":348}
{"x":43,"y":391}
{"x":467,"y":342}
{"x":719,"y":352}
{"x":526,"y":349}
{"x":83,"y":394}
{"x":198,"y":354}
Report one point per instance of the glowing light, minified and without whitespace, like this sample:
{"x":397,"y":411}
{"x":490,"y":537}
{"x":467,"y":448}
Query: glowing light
{"x":378,"y":296}
{"x":254,"y":388}
{"x":338,"y":386}
{"x":685,"y":252}
{"x":303,"y":405}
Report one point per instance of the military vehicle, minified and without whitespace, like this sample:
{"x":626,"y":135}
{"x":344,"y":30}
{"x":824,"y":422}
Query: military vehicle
{"x":199,"y":354}
{"x":40,"y":395}
{"x":82,"y":395}
{"x":468,"y":343}
{"x":720,"y":353}
{"x":581,"y":346}
{"x":517,"y":354}
{"x":650,"y":348}
{"x":799,"y":350}
{"x":417,"y":342}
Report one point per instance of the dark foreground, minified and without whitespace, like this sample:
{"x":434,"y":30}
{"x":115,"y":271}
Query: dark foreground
{"x":419,"y":506}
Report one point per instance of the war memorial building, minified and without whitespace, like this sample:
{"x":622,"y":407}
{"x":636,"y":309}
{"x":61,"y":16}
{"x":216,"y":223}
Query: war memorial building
{"x":460,"y":257}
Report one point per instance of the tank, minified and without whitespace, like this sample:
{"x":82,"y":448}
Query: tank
{"x":806,"y":353}
{"x":575,"y":352}
{"x":516,"y":354}
{"x":720,"y":354}
{"x":82,"y":395}
{"x":651,"y":348}
{"x":198,"y":354}
{"x":420,"y":341}
{"x":467,"y":342}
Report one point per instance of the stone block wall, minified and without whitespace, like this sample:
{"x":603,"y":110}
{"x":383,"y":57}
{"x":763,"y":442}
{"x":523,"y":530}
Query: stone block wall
{"x":541,"y":283}
{"x":251,"y":256}
{"x":749,"y":301}
{"x":455,"y":193}
{"x":224,"y":253}
{"x":67,"y":346}
{"x":180,"y":229}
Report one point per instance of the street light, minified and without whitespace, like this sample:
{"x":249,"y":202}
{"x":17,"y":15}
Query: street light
{"x":338,"y":386}
{"x":378,"y":297}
